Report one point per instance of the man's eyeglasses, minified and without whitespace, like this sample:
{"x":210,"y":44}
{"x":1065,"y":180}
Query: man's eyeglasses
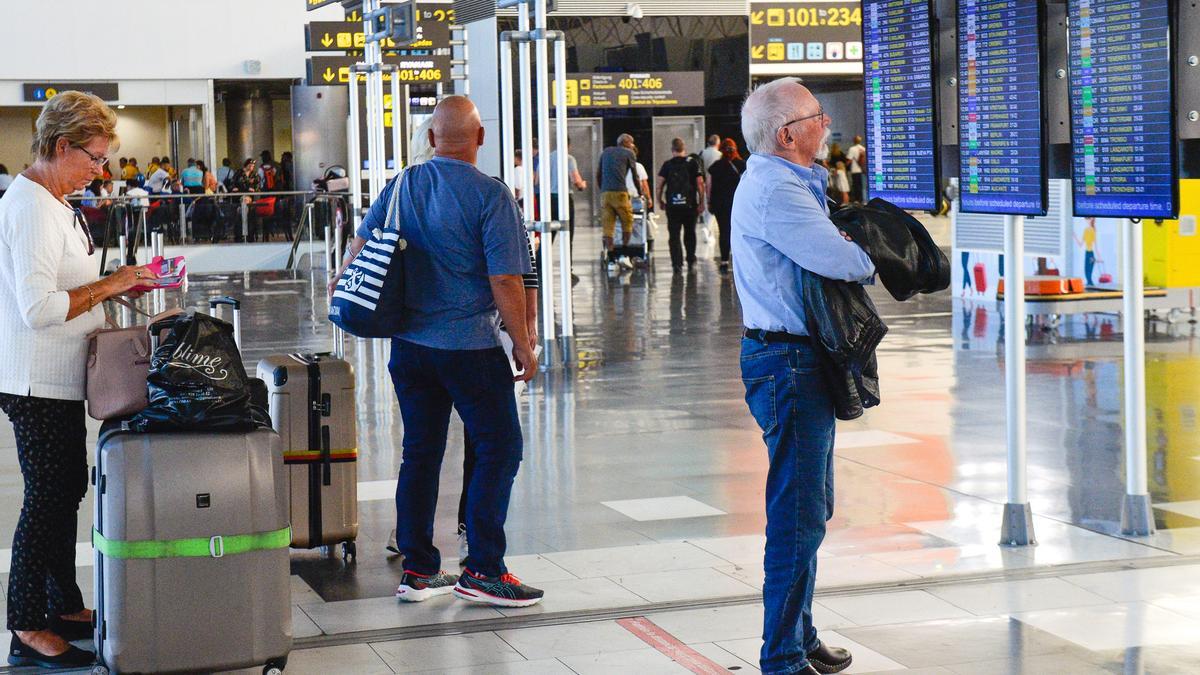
{"x":820,"y":113}
{"x":96,"y":161}
{"x":82,"y":223}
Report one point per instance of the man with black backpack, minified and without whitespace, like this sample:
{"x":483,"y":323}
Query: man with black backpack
{"x":681,"y":196}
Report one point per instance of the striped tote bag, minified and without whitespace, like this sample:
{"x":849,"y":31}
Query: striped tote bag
{"x":369,"y":299}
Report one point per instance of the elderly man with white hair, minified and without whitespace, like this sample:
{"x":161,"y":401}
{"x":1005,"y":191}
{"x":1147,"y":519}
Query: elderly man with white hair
{"x":781,"y":225}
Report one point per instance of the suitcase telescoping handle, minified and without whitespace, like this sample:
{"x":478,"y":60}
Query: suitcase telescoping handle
{"x":236,"y":304}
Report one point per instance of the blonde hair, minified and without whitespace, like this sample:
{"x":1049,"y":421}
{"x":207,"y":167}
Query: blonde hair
{"x":75,"y":116}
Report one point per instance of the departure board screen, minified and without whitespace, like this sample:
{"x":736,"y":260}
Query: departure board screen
{"x":1122,"y":130}
{"x":1001,"y":133}
{"x":901,"y":151}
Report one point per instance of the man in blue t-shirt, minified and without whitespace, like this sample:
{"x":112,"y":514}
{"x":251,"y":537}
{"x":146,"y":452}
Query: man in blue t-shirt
{"x":192,"y":178}
{"x":465,"y":256}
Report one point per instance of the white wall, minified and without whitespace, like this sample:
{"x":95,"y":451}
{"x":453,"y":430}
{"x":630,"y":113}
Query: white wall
{"x":143,"y":133}
{"x":167,"y":39}
{"x":16,"y":134}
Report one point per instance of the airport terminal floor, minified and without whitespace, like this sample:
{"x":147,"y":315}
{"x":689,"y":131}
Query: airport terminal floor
{"x":639,"y":507}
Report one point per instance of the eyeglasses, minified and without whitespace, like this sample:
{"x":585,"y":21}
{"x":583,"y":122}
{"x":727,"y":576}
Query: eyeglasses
{"x":82,"y":223}
{"x":820,"y":113}
{"x":96,"y":161}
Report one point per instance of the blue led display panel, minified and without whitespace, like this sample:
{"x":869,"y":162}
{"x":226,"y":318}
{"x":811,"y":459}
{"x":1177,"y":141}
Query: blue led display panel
{"x":1122,"y":129}
{"x":898,"y":66}
{"x":1000,"y":120}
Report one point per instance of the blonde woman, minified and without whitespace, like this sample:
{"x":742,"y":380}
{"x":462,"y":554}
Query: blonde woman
{"x":49,"y":301}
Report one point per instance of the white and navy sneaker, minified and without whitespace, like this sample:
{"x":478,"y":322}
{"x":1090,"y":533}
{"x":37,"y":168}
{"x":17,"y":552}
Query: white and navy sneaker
{"x":419,"y":587}
{"x":503,"y":591}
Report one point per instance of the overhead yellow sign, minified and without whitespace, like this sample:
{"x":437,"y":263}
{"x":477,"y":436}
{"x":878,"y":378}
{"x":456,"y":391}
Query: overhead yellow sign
{"x":634,"y":90}
{"x":805,"y":37}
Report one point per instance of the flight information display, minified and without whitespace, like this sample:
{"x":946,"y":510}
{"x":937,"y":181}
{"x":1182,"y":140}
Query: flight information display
{"x":901,"y":151}
{"x":1122,"y":131}
{"x":1001,"y":133}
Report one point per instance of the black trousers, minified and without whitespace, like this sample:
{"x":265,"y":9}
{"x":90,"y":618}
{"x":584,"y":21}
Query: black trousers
{"x":681,"y":219}
{"x":856,"y":187}
{"x":52,"y":451}
{"x":724,"y":216}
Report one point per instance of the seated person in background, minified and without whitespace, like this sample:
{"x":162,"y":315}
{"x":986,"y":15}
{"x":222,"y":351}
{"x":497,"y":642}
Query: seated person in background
{"x":136,"y":191}
{"x":92,"y":194}
{"x":160,"y":178}
{"x":192,"y":178}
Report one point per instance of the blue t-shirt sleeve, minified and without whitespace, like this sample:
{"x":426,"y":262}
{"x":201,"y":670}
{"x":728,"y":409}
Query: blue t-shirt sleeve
{"x":378,"y":211}
{"x":505,"y":245}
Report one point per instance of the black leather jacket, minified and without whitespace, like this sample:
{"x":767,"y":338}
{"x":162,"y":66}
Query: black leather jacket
{"x":841,"y":318}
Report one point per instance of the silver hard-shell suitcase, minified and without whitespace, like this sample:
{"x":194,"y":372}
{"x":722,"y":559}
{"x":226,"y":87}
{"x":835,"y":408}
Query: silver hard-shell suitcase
{"x":311,"y":400}
{"x":210,"y":511}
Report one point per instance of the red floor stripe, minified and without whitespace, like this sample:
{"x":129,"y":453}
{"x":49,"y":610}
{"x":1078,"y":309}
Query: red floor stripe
{"x":667,"y":644}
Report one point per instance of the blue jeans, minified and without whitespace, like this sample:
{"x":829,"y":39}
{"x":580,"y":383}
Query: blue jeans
{"x":788,"y":398}
{"x":479,"y":384}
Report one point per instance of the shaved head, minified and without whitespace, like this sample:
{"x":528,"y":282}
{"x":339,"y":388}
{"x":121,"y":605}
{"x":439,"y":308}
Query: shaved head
{"x":456,"y":130}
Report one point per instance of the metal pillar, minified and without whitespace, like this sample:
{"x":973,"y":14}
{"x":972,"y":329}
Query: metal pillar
{"x":397,"y":157}
{"x":1017,"y":526}
{"x":507,"y":139}
{"x":1137,"y":517}
{"x":550,"y":354}
{"x":564,"y":199}
{"x":354,"y":159}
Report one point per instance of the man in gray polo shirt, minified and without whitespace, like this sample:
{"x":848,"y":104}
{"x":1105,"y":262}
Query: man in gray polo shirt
{"x":615,"y":162}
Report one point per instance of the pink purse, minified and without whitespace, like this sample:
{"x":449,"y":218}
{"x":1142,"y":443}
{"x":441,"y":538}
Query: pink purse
{"x":117,"y":365}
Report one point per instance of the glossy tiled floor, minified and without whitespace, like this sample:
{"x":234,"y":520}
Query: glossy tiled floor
{"x":642,"y":491}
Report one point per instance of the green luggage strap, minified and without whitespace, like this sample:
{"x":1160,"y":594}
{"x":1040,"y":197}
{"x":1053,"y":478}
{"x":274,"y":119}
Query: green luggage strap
{"x":198,"y":547}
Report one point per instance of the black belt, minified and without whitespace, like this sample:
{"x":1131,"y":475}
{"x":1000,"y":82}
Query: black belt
{"x":766,"y":336}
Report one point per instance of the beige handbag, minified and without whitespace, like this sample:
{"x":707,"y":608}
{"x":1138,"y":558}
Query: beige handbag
{"x":117,"y":365}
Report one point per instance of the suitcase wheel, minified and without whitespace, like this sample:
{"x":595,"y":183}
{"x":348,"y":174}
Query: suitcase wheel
{"x":99,"y":670}
{"x":349,"y":551}
{"x":275,"y":667}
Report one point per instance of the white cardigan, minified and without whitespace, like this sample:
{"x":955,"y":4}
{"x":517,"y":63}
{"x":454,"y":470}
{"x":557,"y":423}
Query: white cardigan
{"x":43,"y":254}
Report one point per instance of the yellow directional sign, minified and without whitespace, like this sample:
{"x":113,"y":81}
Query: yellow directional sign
{"x":805,"y":37}
{"x":634,"y":90}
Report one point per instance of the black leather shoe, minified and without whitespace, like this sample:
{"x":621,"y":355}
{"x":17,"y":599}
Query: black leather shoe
{"x":21,"y":654}
{"x":826,"y":659}
{"x":71,"y":630}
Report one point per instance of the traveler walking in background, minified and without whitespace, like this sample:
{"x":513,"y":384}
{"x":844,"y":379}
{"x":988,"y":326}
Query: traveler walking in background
{"x":723,"y":178}
{"x":840,"y":184}
{"x":781,"y":226}
{"x":856,"y":158}
{"x":681,"y":196}
{"x":709,"y":156}
{"x":573,"y":181}
{"x":615,"y":162}
{"x":49,"y":301}
{"x":466,"y":254}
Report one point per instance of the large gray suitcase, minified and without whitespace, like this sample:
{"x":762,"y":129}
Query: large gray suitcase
{"x":312,"y":407}
{"x":191,"y":537}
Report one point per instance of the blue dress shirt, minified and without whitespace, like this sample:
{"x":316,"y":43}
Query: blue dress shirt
{"x":781,"y":224}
